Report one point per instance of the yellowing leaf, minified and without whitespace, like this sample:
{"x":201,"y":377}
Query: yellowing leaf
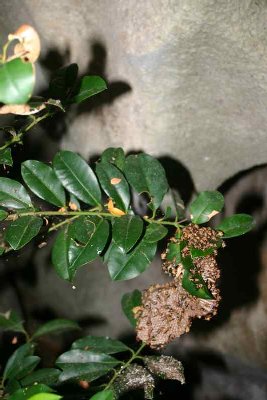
{"x":73,"y":206}
{"x":21,"y":109}
{"x":113,"y":210}
{"x":29,"y":45}
{"x":115,"y":181}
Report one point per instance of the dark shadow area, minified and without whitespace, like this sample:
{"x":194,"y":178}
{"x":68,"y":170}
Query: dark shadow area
{"x":97,"y":66}
{"x":179,"y":178}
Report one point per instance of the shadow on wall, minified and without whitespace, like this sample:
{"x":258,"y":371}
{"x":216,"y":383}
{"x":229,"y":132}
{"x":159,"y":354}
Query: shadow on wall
{"x":97,"y":65}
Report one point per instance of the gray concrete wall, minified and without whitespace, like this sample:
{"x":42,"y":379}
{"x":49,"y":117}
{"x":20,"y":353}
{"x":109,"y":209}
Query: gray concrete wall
{"x":197,"y":73}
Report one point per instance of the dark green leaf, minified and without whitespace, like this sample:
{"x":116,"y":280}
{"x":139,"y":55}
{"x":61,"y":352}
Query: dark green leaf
{"x":104,"y":395}
{"x":155,"y":232}
{"x":195,"y":285}
{"x":28,"y":365}
{"x":6,"y":157}
{"x":3,"y":215}
{"x":16,"y":360}
{"x":91,"y":244}
{"x":146,"y":174}
{"x":29,"y":392}
{"x":124,"y":266}
{"x":63,"y":81}
{"x":47,"y":376}
{"x":60,"y":258}
{"x":13,"y":194}
{"x":201,"y":253}
{"x":82,"y":364}
{"x":43,"y":182}
{"x":114,"y":155}
{"x":12,"y":386}
{"x":56,"y":325}
{"x":89,"y":86}
{"x":205,"y":206}
{"x":236,"y":225}
{"x":77,"y":177}
{"x":100,"y":344}
{"x":11,"y":321}
{"x":188,"y":263}
{"x":114,"y":184}
{"x":174,"y":250}
{"x":2,"y":250}
{"x":130,"y":301}
{"x":22,"y":231}
{"x":126,"y":231}
{"x":16,"y":82}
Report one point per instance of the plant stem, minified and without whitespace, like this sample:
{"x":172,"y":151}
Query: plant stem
{"x":17,"y":138}
{"x":119,"y":371}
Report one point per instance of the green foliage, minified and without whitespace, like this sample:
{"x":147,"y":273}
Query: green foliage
{"x":22,"y":231}
{"x":146,"y":175}
{"x":205,"y":206}
{"x":77,"y":177}
{"x":128,"y":302}
{"x":43,"y":182}
{"x":16,"y":82}
{"x":103,"y":395}
{"x":56,"y":325}
{"x":84,"y":365}
{"x":100,"y":344}
{"x":236,"y":225}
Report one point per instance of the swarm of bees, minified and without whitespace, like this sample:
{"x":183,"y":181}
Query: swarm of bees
{"x":167,"y":310}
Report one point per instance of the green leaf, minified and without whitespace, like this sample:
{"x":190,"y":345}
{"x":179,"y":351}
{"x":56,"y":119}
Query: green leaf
{"x":201,"y":253}
{"x":89,"y":86}
{"x":205,"y":206}
{"x":92,"y":243}
{"x":60,"y":258}
{"x":103,"y":395}
{"x":13,"y":194}
{"x":28,"y":365}
{"x":100,"y":344}
{"x":77,"y":177}
{"x":126,"y":231}
{"x":146,"y":174}
{"x":6,"y":157}
{"x":3,"y":215}
{"x":82,"y":364}
{"x":130,"y":301}
{"x":114,"y":155}
{"x":16,"y":82}
{"x":174,"y":250}
{"x":47,"y":376}
{"x":195,"y":285}
{"x":119,"y":192}
{"x":16,"y":360}
{"x":124,"y":266}
{"x":236,"y":225}
{"x":22,"y":231}
{"x":45,"y":396}
{"x":10,"y":321}
{"x":43,"y":182}
{"x":29,"y":392}
{"x":155,"y":232}
{"x":56,"y":325}
{"x":63,"y":81}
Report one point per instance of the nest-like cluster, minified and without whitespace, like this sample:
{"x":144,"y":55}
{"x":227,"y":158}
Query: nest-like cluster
{"x":167,"y":310}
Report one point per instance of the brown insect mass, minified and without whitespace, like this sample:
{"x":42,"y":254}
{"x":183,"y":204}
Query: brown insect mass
{"x":167,"y":310}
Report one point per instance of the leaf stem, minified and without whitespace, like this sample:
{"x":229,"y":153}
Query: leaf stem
{"x":17,"y":138}
{"x":119,"y":371}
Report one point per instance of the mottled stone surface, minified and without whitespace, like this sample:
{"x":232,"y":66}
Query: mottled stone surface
{"x":197,"y":72}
